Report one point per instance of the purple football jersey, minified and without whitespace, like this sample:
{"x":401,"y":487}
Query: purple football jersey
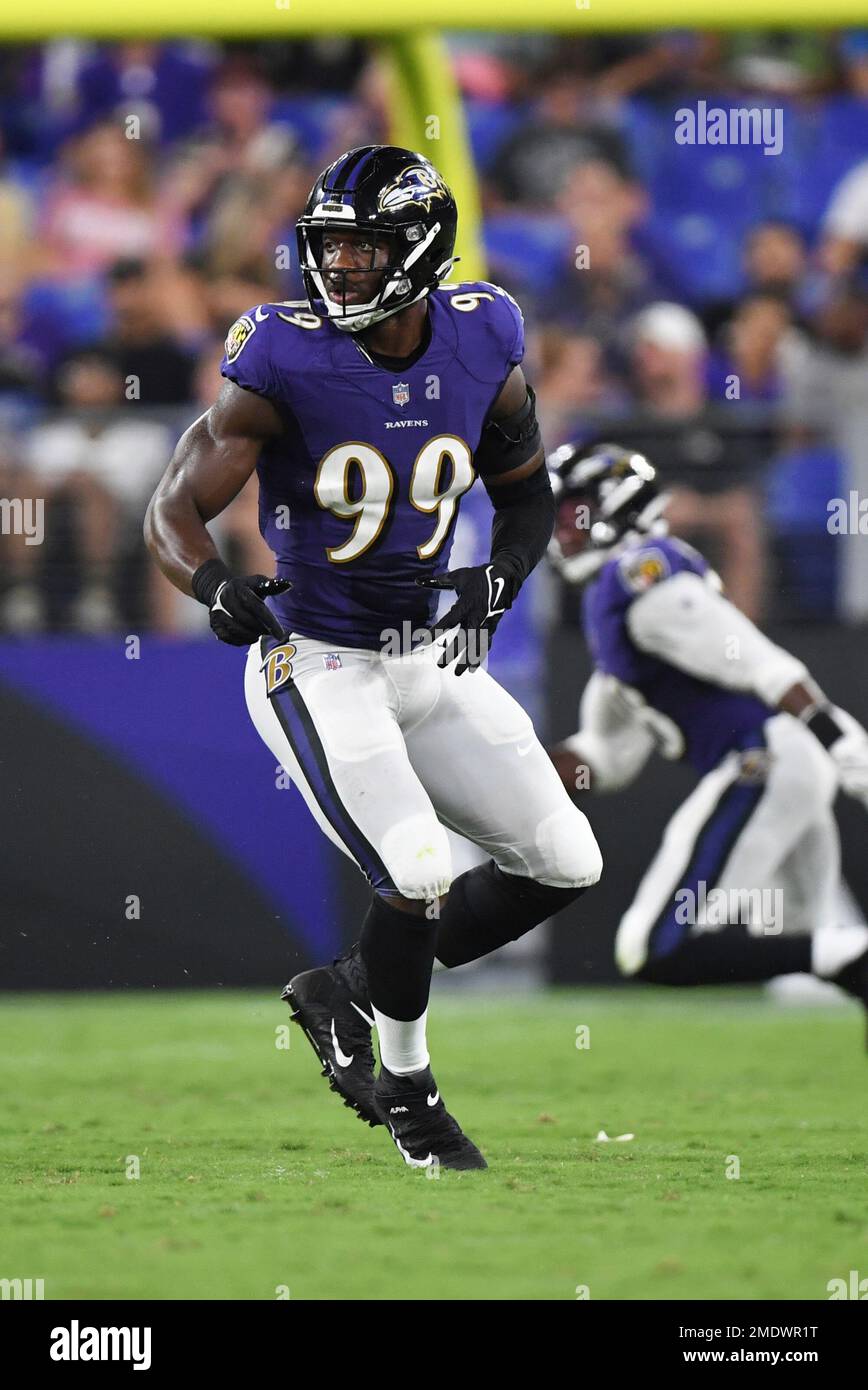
{"x":712,"y":719}
{"x":359,"y":497}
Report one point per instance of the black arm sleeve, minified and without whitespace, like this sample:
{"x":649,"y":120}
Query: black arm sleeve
{"x":523,"y":522}
{"x":509,"y":442}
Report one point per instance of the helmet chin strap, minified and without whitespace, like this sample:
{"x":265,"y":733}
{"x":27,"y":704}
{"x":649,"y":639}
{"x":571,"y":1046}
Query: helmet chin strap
{"x":365,"y":315}
{"x":366,"y":320}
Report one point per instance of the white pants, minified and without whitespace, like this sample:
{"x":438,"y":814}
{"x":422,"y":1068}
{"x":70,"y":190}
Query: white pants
{"x":388,"y":750}
{"x":746,"y":830}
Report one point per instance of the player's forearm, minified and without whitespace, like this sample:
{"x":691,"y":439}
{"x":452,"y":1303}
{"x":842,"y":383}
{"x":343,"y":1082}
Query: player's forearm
{"x":807,"y":703}
{"x":842,"y":736}
{"x":177,"y":537}
{"x":212,"y":462}
{"x":800,"y":698}
{"x":523,"y":522}
{"x":686,"y":623}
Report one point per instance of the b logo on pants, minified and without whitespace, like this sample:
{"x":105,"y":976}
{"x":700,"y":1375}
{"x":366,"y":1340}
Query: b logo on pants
{"x":278,"y":668}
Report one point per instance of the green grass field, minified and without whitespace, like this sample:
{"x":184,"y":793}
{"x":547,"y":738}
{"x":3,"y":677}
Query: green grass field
{"x":253,"y":1176}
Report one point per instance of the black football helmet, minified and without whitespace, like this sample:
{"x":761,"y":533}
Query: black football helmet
{"x":620,"y":498}
{"x":385,"y":191}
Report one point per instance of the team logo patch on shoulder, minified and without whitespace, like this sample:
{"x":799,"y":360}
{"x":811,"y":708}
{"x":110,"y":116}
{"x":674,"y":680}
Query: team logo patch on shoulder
{"x":641,"y":571}
{"x":278,"y":667}
{"x":415,"y":185}
{"x":754,"y":767}
{"x":241,"y":330}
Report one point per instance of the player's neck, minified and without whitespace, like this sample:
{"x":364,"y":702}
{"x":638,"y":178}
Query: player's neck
{"x":400,"y":335}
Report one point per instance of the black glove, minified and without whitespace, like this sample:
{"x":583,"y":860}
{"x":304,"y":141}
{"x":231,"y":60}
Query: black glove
{"x":485,"y":592}
{"x":238,"y":614}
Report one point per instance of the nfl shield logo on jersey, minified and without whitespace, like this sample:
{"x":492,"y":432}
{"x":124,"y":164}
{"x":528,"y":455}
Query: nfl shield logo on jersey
{"x":401,"y":392}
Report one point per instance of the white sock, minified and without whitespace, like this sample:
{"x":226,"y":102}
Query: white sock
{"x":403,"y":1048}
{"x":834,"y":947}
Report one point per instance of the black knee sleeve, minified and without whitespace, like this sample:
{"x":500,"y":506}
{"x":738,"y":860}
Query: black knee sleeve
{"x":486,"y":908}
{"x":398,"y":951}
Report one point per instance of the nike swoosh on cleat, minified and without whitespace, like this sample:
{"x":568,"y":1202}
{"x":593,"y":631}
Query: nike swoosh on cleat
{"x":432,"y":1100}
{"x":408,"y":1158}
{"x":365,"y":1016}
{"x":342,"y":1059}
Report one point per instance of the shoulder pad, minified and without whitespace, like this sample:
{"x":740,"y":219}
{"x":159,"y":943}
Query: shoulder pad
{"x":685,"y":556}
{"x":247,"y":359}
{"x":489,"y":321}
{"x":656,"y":559}
{"x":238,"y":336}
{"x":261,"y":346}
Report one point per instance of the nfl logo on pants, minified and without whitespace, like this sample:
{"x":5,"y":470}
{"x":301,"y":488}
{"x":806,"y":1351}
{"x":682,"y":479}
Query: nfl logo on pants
{"x":401,"y":392}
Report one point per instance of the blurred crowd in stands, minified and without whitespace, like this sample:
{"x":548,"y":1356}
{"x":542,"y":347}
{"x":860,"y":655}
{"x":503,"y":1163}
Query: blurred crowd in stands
{"x":706,"y":304}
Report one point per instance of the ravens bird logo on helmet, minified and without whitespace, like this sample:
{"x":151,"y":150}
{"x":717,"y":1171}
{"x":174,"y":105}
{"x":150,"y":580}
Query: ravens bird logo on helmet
{"x":416,"y":185}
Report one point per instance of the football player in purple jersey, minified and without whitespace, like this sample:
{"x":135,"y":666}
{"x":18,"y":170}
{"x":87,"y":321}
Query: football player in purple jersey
{"x":745,"y":885}
{"x":367,"y":411}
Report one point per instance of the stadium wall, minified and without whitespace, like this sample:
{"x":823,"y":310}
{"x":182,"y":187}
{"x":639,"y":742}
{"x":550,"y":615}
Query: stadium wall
{"x":146,"y":837}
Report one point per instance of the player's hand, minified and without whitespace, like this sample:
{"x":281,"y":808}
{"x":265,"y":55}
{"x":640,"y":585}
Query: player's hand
{"x":485,"y":592}
{"x":238,"y":614}
{"x":235,"y":606}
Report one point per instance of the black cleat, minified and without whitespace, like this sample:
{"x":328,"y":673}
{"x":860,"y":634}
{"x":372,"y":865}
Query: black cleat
{"x":425,"y":1133}
{"x":853,"y":978}
{"x":332,"y":1008}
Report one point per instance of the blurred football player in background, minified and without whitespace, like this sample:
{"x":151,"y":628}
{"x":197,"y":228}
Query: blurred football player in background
{"x":367,"y":411}
{"x":745,"y":884}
